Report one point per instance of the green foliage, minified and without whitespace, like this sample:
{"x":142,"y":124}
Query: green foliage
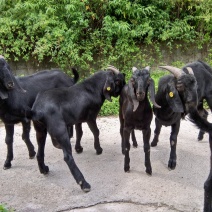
{"x":4,"y":209}
{"x":94,"y":33}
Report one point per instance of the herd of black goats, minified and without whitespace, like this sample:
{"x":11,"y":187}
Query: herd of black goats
{"x":54,"y":105}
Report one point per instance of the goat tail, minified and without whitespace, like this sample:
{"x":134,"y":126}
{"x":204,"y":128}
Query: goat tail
{"x":199,"y":121}
{"x":76,"y":74}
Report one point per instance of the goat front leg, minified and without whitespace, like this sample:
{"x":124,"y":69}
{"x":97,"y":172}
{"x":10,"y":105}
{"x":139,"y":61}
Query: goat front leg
{"x":79,"y":133}
{"x":61,"y":135}
{"x":9,"y":142}
{"x":126,"y":137}
{"x":173,"y":144}
{"x":158,"y":126}
{"x":208,"y":184}
{"x":68,"y":158}
{"x":26,"y":138}
{"x":146,"y":138}
{"x":93,"y":127}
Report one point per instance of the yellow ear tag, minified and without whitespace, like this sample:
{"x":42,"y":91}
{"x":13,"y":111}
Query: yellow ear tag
{"x":108,"y":88}
{"x":171,"y":94}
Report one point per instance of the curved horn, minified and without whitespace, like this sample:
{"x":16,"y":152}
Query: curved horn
{"x":114,"y":69}
{"x":147,"y":68}
{"x":176,"y":71}
{"x":134,"y":69}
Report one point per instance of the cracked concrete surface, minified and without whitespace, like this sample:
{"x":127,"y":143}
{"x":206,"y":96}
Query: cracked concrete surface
{"x":24,"y":189}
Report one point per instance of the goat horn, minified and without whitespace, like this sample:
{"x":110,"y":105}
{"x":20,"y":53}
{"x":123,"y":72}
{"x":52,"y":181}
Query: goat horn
{"x":134,"y":69}
{"x":114,"y":69}
{"x":147,"y":68}
{"x":176,"y":71}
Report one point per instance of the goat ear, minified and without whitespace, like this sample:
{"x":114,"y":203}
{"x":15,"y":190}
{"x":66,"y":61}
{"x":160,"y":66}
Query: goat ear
{"x":107,"y":90}
{"x":3,"y":94}
{"x":173,"y":99}
{"x":151,"y":90}
{"x":133,"y":97}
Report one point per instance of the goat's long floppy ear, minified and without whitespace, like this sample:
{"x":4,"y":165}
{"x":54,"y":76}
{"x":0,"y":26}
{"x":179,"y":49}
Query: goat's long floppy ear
{"x":151,"y":89}
{"x":173,"y":98}
{"x":132,"y":96}
{"x":107,"y":89}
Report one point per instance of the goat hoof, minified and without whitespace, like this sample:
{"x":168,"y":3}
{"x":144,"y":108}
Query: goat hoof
{"x":45,"y":170}
{"x":149,"y":172}
{"x":85,"y":186}
{"x":200,"y":138}
{"x":153,"y":144}
{"x":172,"y":165}
{"x":127,"y":169}
{"x":32,"y":155}
{"x":99,"y":151}
{"x":135,"y":145}
{"x":7,"y":165}
{"x":79,"y":149}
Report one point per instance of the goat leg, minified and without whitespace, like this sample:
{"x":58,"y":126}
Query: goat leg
{"x":25,"y":136}
{"x":158,"y":126}
{"x":79,"y":133}
{"x":135,"y":144}
{"x":126,"y":137}
{"x":93,"y":127}
{"x":208,"y":184}
{"x":173,"y":144}
{"x":146,"y":137}
{"x":9,"y":141}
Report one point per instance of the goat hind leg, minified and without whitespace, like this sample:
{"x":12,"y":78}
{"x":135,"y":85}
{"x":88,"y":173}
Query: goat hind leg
{"x":135,"y":143}
{"x":146,"y":138}
{"x":158,"y":126}
{"x":26,"y":138}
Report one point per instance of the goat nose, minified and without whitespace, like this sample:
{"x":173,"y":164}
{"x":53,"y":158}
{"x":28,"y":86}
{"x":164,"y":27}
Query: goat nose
{"x":140,"y":93}
{"x":10,"y":84}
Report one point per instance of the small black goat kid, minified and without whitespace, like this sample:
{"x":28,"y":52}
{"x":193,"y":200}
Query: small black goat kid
{"x":17,"y":96}
{"x":135,"y":112}
{"x":207,"y":127}
{"x":69,"y":106}
{"x":177,"y":95}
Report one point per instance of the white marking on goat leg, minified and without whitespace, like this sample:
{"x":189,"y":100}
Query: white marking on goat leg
{"x":80,"y":182}
{"x":126,"y":149}
{"x":172,"y":143}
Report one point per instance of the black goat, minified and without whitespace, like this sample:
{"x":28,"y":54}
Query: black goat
{"x":69,"y":106}
{"x":204,"y":125}
{"x":135,"y":112}
{"x":177,"y":95}
{"x":14,"y":104}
